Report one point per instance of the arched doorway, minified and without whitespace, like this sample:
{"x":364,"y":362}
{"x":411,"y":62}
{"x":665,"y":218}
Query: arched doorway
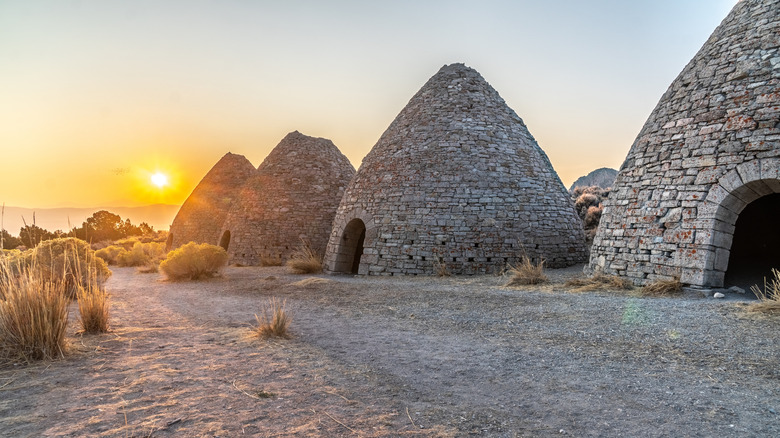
{"x":351,"y":247}
{"x":754,"y":247}
{"x":224,"y":241}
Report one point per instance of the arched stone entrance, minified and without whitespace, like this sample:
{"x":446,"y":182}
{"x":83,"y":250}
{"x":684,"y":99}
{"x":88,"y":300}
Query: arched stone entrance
{"x":224,"y":241}
{"x":754,"y":247}
{"x":746,"y":202}
{"x":350,"y":248}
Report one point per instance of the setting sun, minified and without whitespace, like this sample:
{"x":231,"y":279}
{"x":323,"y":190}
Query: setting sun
{"x":160,"y":180}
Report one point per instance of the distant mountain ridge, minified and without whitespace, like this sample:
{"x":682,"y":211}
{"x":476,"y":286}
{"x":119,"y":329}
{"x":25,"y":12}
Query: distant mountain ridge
{"x":158,"y":216}
{"x":603,"y":178}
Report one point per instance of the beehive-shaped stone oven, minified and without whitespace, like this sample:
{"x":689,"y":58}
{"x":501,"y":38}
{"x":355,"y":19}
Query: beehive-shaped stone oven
{"x":457,"y":180}
{"x":293,"y":197}
{"x":201,"y":216}
{"x":698,"y":193}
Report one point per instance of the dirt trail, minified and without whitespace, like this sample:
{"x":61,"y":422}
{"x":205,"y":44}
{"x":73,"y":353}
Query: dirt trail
{"x":402,"y":356}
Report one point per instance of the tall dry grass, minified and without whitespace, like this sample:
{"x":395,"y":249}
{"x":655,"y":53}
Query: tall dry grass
{"x":35,"y":290}
{"x":769,"y":297}
{"x":93,"y":309}
{"x":274,"y":320}
{"x":305,"y":260}
{"x":33,"y":315}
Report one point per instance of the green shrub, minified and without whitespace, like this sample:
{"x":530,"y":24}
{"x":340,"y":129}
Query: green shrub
{"x":194,"y":261}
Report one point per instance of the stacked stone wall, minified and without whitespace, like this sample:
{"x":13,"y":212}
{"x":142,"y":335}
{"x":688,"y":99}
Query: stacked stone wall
{"x":457,"y":180}
{"x":201,"y":216}
{"x":710,"y":147}
{"x":293,"y":198}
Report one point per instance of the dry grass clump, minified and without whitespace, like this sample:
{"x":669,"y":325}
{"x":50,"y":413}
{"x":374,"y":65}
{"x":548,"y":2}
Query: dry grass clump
{"x":769,"y":298}
{"x":305,"y":260}
{"x":270,"y":261}
{"x":194,"y":261}
{"x":599,"y":281}
{"x":527,"y":272}
{"x":274,"y":320}
{"x":662,"y":288}
{"x":93,"y":309}
{"x":33,"y":315}
{"x":441,"y":268}
{"x":306,"y":282}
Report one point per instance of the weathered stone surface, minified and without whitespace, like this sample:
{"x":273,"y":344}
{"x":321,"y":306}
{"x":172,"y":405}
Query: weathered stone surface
{"x":292,"y":197}
{"x":711,"y":140}
{"x":456,"y":179}
{"x":202,"y":214}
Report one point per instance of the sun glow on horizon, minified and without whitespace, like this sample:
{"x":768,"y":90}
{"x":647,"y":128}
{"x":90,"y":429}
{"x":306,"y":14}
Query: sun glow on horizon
{"x":159,"y":179}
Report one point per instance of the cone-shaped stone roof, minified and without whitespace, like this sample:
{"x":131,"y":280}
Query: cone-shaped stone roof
{"x":710,"y":147}
{"x":202,"y":214}
{"x":456,"y":179}
{"x":293,"y":196}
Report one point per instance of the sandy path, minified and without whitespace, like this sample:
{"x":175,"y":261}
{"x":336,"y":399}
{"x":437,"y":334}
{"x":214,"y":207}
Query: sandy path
{"x":464,"y":356}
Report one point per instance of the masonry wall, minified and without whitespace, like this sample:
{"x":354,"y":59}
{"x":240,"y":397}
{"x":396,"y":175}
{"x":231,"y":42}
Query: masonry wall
{"x":458,"y":180}
{"x":709,"y":148}
{"x":293,"y":198}
{"x":202,"y":214}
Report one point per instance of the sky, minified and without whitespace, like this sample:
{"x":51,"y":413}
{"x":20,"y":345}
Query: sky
{"x":97,"y":96}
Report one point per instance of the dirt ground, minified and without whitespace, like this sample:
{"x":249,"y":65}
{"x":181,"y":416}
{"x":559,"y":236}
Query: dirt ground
{"x":402,"y":356}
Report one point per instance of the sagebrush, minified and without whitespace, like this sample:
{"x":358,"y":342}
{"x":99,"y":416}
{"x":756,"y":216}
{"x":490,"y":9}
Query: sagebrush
{"x":194,"y":261}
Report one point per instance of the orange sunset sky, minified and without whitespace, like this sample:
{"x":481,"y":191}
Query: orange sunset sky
{"x":96,"y":96}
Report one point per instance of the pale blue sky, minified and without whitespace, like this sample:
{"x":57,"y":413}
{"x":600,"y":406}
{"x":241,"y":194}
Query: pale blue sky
{"x":96,"y":94}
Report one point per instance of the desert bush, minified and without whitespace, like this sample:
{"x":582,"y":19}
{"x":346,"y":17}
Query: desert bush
{"x":274,"y":320}
{"x":305,"y":260}
{"x":599,"y":281}
{"x":194,"y":261}
{"x":65,"y":260}
{"x":585,"y":201}
{"x":93,"y":308}
{"x":661,"y":288}
{"x":135,"y":257}
{"x":110,"y":254}
{"x":527,"y":272}
{"x":769,"y":297}
{"x":33,"y":315}
{"x":593,"y":216}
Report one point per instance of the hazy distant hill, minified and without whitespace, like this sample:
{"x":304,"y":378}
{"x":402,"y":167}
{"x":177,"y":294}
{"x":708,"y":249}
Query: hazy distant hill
{"x":603,"y":178}
{"x":159,"y":216}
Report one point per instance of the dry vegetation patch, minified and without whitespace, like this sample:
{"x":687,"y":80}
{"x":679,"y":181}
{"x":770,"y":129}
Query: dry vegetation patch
{"x":194,"y":261}
{"x":769,"y":297}
{"x":305,"y":260}
{"x":662,"y":288}
{"x":527,"y":272}
{"x":274,"y":320}
{"x":598,"y":281}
